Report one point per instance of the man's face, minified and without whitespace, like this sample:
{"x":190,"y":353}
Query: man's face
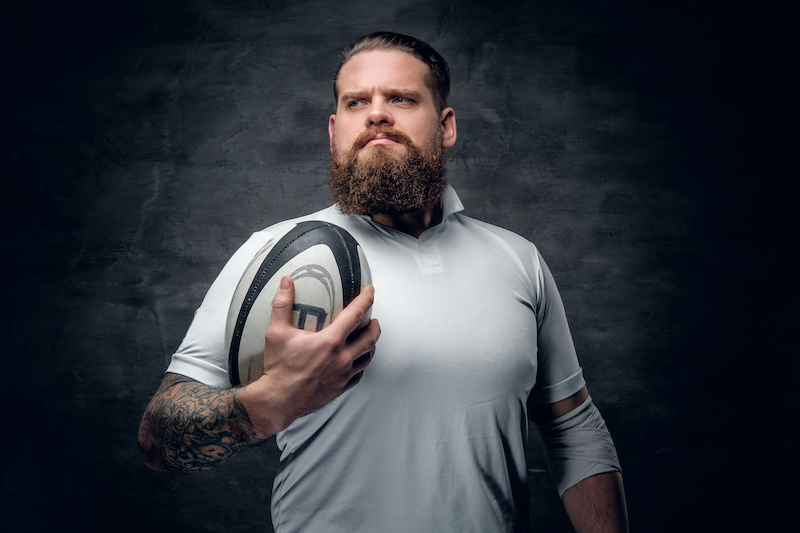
{"x":387,"y":136}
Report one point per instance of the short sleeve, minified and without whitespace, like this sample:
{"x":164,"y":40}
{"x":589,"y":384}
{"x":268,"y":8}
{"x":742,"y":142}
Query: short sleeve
{"x":559,"y":373}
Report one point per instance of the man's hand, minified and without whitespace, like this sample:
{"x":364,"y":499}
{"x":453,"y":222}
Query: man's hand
{"x":304,"y":371}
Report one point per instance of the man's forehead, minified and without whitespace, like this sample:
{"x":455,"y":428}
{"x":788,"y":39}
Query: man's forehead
{"x":383,"y":69}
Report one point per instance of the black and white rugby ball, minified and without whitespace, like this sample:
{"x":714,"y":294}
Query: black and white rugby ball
{"x":329,"y":269}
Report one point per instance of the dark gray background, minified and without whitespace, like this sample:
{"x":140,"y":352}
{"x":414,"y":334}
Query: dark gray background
{"x":144,"y":141}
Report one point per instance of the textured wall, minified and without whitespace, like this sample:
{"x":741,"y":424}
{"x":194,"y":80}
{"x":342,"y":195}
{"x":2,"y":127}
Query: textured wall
{"x":144,"y":141}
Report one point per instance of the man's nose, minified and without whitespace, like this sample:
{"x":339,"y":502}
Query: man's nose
{"x":379,"y":114}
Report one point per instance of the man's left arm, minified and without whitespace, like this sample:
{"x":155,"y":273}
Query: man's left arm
{"x":597,"y":504}
{"x":574,"y":436}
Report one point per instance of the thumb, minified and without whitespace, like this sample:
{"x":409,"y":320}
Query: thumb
{"x":283,"y":304}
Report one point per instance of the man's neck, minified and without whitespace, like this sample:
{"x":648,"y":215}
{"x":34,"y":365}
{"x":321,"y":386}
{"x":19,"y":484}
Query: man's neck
{"x":413,"y":224}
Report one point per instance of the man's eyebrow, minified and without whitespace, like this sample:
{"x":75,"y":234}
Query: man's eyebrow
{"x":353,"y":95}
{"x":394,"y":91}
{"x":406,"y":93}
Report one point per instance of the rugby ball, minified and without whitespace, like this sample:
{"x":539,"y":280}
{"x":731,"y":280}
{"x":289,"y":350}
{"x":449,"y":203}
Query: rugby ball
{"x":329,"y":269}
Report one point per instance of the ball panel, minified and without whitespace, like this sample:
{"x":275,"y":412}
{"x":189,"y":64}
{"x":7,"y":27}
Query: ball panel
{"x":344,"y":248}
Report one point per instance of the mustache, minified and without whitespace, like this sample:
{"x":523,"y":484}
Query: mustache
{"x":387,"y":131}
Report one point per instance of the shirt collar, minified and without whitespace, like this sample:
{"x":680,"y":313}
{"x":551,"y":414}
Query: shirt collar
{"x":451,"y":203}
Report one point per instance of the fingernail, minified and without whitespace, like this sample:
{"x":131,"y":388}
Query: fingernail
{"x":285,"y":283}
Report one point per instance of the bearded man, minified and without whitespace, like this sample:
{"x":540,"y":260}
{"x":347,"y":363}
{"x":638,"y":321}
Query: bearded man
{"x":424,"y":430}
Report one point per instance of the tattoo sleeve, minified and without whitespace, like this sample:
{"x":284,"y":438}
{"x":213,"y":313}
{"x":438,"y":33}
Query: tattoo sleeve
{"x":189,"y":426}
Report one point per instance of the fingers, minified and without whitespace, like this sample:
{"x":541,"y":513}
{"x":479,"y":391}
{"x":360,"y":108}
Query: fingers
{"x":283,"y":304}
{"x":354,"y":380}
{"x":360,"y":346}
{"x":366,"y":338}
{"x":338,"y":346}
{"x":363,"y":343}
{"x":352,"y":315}
{"x":363,"y":360}
{"x":347,"y":321}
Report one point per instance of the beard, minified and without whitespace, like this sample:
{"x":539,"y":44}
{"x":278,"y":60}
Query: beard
{"x":388,"y":180}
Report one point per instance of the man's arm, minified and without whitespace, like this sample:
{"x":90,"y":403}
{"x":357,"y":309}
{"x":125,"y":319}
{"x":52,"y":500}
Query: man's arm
{"x":595,"y":504}
{"x":189,"y":426}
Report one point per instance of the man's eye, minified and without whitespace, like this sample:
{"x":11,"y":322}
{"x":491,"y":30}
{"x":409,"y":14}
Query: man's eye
{"x":354,"y":103}
{"x":401,"y":100}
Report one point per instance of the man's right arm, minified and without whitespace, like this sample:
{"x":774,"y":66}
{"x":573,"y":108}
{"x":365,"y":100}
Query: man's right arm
{"x":189,"y":426}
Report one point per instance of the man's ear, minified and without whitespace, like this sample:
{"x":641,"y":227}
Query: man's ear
{"x":449,"y":130}
{"x":331,"y":122}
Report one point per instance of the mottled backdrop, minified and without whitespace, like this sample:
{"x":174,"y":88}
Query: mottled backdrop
{"x":144,"y":141}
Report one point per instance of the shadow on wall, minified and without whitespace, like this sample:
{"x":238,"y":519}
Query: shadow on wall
{"x":146,"y":141}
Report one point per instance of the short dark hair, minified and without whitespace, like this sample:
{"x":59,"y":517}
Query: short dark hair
{"x":438,"y":78}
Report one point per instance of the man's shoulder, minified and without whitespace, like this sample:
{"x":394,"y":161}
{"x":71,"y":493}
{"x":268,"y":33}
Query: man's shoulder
{"x":479,"y":227}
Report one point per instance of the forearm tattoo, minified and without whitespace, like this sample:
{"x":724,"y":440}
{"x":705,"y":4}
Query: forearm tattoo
{"x":189,"y":426}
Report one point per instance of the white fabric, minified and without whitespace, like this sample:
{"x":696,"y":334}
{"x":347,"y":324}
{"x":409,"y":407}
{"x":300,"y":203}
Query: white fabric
{"x":433,"y":437}
{"x":578,"y":445}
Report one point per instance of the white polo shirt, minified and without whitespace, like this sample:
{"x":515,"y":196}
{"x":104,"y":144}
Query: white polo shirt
{"x":433,"y":437}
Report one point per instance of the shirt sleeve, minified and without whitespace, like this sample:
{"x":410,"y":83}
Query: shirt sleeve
{"x":559,"y":374}
{"x":201,"y":355}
